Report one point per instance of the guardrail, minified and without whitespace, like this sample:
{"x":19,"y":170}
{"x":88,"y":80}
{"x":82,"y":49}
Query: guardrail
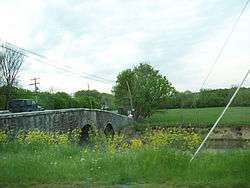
{"x":4,"y":111}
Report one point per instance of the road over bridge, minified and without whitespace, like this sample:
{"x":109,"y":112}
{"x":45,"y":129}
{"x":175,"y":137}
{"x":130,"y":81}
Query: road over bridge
{"x":63,"y":120}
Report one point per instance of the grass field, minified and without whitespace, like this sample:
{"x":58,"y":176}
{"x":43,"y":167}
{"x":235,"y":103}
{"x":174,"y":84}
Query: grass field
{"x":201,"y":117}
{"x":60,"y":165}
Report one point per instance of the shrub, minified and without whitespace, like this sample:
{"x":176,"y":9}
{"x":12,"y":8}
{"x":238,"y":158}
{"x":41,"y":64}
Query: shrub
{"x":39,"y":137}
{"x":136,"y":143}
{"x":177,"y":138}
{"x":3,"y":136}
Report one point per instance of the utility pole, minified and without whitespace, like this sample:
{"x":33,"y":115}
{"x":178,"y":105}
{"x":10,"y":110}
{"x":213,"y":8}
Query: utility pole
{"x":35,"y":83}
{"x":130,"y":97}
{"x":91,"y":106}
{"x":221,"y":115}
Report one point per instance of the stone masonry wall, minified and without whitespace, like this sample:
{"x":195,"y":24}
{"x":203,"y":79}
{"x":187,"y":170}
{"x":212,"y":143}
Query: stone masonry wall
{"x":61,"y":120}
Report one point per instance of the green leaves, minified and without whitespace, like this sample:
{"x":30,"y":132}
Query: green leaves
{"x":59,"y":100}
{"x":149,"y":89}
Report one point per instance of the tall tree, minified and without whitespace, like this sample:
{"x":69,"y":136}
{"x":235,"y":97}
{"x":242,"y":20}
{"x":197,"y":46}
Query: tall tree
{"x":11,"y":60}
{"x":143,"y":85}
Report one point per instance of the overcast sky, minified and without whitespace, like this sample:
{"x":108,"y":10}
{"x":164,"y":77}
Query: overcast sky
{"x":103,"y":37}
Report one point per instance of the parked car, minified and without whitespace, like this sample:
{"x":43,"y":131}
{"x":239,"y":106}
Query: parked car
{"x":23,"y":105}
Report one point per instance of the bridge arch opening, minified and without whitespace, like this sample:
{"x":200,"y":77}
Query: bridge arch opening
{"x":85,"y":133}
{"x":109,"y":131}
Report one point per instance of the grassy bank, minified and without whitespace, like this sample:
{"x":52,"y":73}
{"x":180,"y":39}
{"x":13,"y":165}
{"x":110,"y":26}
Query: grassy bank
{"x":157,"y":157}
{"x":23,"y":164}
{"x":200,"y":117}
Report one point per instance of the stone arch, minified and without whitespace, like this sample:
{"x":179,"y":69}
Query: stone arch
{"x":85,"y":133}
{"x":109,"y":130}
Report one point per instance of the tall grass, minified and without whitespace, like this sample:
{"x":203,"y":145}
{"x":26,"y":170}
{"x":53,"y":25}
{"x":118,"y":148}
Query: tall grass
{"x":27,"y":164}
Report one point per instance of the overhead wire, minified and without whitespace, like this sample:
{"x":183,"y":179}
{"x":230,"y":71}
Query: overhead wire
{"x":224,"y":44}
{"x":104,"y":80}
{"x":80,"y":74}
{"x":210,"y":71}
{"x":45,"y":60}
{"x":221,"y":50}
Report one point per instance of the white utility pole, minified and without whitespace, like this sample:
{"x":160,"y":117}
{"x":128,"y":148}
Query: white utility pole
{"x":218,"y":120}
{"x":130,"y":97}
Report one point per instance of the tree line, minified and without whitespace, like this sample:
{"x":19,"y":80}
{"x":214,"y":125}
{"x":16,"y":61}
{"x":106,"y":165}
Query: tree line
{"x":209,"y":98}
{"x":48,"y":100}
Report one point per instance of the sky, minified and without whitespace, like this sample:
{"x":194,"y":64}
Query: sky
{"x":83,"y":41}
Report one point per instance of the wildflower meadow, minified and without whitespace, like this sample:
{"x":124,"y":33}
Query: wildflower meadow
{"x":159,"y":156}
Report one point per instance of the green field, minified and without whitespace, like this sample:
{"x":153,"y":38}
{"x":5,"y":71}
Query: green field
{"x":200,"y":117}
{"x":69,"y":165}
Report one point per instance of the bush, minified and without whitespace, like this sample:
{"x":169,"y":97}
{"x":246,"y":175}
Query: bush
{"x":3,"y":136}
{"x":173,"y":137}
{"x":39,"y":137}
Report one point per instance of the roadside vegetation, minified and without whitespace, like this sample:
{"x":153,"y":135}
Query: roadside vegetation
{"x":59,"y":100}
{"x":157,"y":157}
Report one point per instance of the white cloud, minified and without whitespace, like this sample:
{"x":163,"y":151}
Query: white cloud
{"x":19,"y":20}
{"x":104,"y":37}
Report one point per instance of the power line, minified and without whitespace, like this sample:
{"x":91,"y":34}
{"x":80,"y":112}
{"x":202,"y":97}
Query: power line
{"x":196,"y":97}
{"x":13,"y":49}
{"x":81,"y":74}
{"x":236,"y":91}
{"x":44,"y":59}
{"x":76,"y":74}
{"x":25,"y":50}
{"x":224,"y":44}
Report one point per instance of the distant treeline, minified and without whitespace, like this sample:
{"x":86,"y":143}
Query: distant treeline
{"x":59,"y":100}
{"x":95,"y":99}
{"x":209,"y":98}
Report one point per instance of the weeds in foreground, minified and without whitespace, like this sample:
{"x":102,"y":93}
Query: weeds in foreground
{"x":172,"y":137}
{"x":154,"y":157}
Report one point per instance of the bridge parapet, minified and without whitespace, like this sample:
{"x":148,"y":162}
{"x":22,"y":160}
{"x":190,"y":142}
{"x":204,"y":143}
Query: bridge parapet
{"x":62,"y":120}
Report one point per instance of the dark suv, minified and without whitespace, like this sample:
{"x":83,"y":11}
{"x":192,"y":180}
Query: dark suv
{"x":23,"y":105}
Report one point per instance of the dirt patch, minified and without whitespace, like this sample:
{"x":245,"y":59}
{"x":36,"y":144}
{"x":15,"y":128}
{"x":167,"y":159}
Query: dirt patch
{"x":236,"y":133}
{"x":225,"y":132}
{"x":226,"y":137}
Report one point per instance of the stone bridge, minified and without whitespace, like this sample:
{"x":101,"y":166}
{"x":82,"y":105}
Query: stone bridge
{"x":64,"y":120}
